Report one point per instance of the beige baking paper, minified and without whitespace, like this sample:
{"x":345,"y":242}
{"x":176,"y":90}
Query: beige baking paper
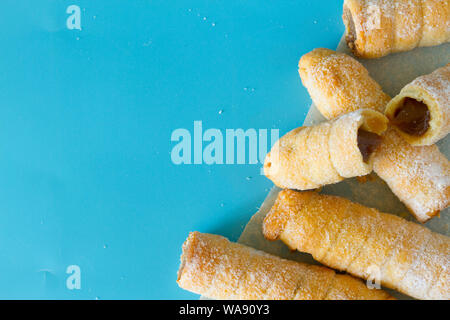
{"x":392,"y":72}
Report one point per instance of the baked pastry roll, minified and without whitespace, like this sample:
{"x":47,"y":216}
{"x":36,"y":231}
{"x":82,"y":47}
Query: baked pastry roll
{"x":402,"y":255}
{"x":421,"y":111}
{"x":310,"y":157}
{"x":419,"y":176}
{"x":375,"y":28}
{"x":339,"y":84}
{"x":216,"y":268}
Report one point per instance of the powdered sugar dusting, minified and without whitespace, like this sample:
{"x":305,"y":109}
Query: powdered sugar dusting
{"x":220,"y":269}
{"x":339,"y":84}
{"x":409,"y":257}
{"x":437,"y":86}
{"x":419,"y":176}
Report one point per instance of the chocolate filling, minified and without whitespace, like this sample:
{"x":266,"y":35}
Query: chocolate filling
{"x":367,"y":143}
{"x":413,"y":117}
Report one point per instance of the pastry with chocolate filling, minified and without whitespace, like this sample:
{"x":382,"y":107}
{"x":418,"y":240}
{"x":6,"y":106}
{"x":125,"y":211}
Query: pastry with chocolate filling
{"x":338,"y":84}
{"x":421,"y":112}
{"x":311,"y":157}
{"x":418,"y":176}
{"x":219,"y":269}
{"x":375,"y":28}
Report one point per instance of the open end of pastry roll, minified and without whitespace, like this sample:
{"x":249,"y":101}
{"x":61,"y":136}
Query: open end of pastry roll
{"x":412,"y":117}
{"x":365,"y":137}
{"x":415,"y":116}
{"x":420,"y":112}
{"x":310,"y":157}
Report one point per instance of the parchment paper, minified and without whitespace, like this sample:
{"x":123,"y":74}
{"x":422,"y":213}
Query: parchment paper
{"x":392,"y":73}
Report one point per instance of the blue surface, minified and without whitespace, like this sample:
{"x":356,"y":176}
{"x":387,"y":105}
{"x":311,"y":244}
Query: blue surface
{"x":86,"y":176}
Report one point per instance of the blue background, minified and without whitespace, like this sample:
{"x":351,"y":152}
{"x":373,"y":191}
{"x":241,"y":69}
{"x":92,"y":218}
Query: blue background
{"x":86,"y":117}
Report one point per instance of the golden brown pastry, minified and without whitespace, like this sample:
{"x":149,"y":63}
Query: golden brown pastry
{"x":375,"y":28}
{"x":421,"y":112}
{"x":216,"y":268}
{"x":347,"y":236}
{"x":339,"y":84}
{"x":419,"y":176}
{"x":310,"y":157}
